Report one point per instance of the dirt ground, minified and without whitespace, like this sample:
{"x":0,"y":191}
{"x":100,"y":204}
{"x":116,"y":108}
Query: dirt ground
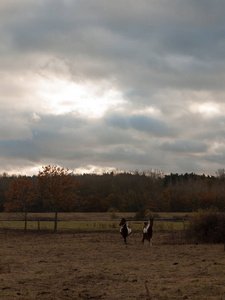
{"x":97,"y":265}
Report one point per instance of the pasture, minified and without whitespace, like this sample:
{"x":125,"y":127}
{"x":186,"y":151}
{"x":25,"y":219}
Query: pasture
{"x":95,"y":264}
{"x":86,"y":221}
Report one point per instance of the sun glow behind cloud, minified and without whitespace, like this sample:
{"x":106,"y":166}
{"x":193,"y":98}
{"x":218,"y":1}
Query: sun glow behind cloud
{"x":206,"y":109}
{"x":63,"y":96}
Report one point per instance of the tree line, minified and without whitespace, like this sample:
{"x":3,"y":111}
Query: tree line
{"x":56,"y":189}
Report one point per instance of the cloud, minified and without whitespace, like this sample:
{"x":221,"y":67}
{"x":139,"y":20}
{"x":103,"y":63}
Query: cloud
{"x":34,"y":117}
{"x":141,"y":123}
{"x":117,"y":84}
{"x":187,"y":146}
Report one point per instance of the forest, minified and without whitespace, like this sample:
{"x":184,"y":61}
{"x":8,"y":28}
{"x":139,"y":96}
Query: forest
{"x":125,"y":192}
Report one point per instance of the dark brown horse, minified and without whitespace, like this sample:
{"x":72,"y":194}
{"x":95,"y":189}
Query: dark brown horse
{"x":147,"y":231}
{"x":125,"y":230}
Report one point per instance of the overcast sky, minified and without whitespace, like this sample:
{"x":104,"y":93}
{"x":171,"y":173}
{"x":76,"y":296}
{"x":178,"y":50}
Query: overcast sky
{"x":97,"y":85}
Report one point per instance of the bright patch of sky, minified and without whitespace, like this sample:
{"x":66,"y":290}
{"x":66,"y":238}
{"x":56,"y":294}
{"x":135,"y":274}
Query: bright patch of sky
{"x":206,"y":109}
{"x":87,"y":100}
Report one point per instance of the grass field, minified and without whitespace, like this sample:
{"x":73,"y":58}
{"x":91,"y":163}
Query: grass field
{"x":87,"y":259}
{"x":97,"y":265}
{"x":89,"y":226}
{"x":105,"y":216}
{"x":88,"y":221}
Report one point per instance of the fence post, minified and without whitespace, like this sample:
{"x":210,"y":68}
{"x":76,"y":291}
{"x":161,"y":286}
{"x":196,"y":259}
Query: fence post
{"x":38,"y":224}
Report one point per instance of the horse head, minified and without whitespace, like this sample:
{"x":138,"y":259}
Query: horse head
{"x":145,"y":224}
{"x":122,"y":222}
{"x":151,"y":222}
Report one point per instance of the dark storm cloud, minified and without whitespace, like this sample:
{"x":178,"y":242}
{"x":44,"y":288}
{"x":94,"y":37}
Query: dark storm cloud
{"x":151,"y":43}
{"x":142,"y":123}
{"x":185,"y":146}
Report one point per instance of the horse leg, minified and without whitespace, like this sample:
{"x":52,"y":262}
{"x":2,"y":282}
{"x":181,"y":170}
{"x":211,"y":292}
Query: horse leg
{"x":143,"y":238}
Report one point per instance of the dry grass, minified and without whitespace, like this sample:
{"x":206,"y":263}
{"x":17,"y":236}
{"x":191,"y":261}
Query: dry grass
{"x":67,"y":216}
{"x":96,"y":265}
{"x":102,"y":216}
{"x":83,"y":221}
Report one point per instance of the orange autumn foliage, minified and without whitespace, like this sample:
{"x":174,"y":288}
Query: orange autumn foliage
{"x":58,"y":188}
{"x":20,"y":196}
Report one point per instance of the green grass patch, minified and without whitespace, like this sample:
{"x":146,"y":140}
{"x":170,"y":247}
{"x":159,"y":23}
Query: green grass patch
{"x":168,"y":226}
{"x":77,"y":216}
{"x":90,"y":225}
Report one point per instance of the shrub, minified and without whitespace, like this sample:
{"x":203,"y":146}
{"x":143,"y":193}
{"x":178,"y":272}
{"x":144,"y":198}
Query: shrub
{"x":207,"y":226}
{"x":140,"y":214}
{"x":144,"y":214}
{"x":113,"y":212}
